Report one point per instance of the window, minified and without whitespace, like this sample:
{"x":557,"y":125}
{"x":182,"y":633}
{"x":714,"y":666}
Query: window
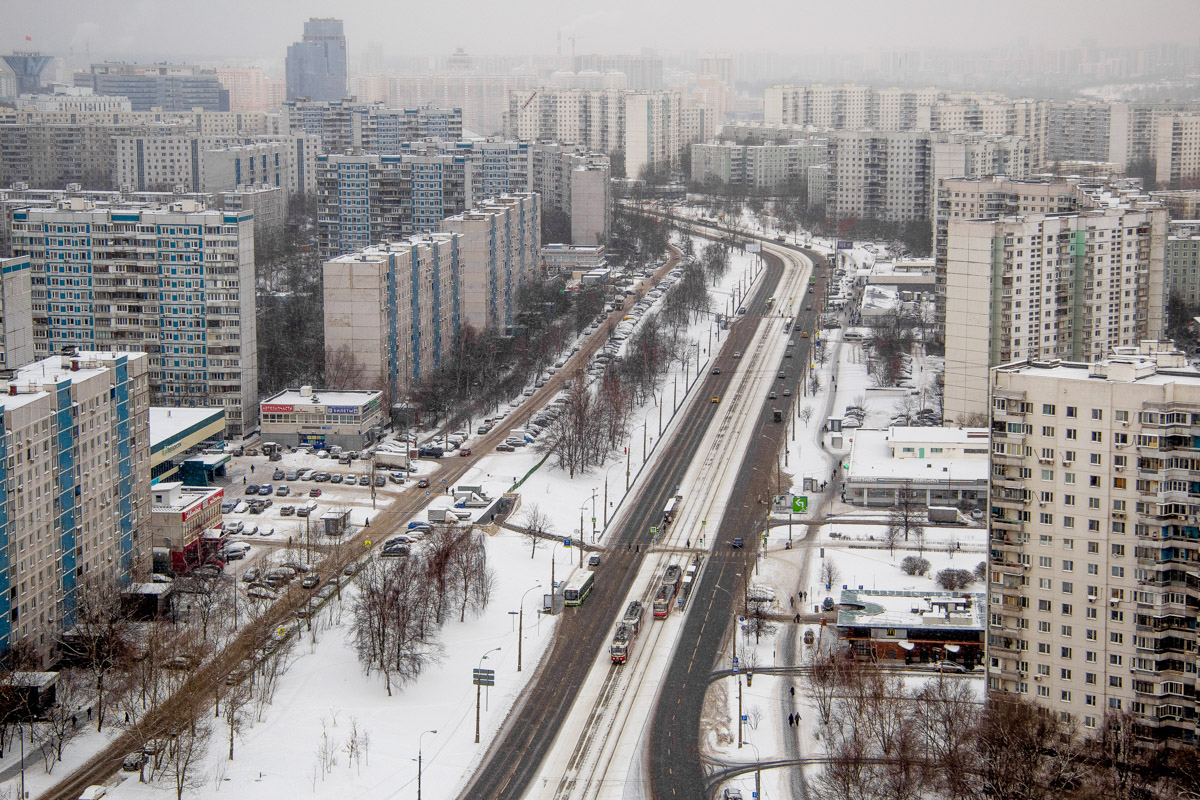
{"x":1097,"y":413}
{"x":1121,"y":416}
{"x":1097,"y":436}
{"x":1048,"y":409}
{"x":1072,"y":411}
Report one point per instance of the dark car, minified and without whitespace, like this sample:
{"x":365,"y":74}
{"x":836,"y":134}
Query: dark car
{"x":337,"y":478}
{"x":364,"y":480}
{"x":423,"y":483}
{"x":314,"y":492}
{"x":380,"y":481}
{"x":265,"y":489}
{"x":737,"y":542}
{"x":504,"y":447}
{"x":716,"y":371}
{"x":782,"y":375}
{"x":430,"y":452}
{"x":252,"y":489}
{"x":278,"y":475}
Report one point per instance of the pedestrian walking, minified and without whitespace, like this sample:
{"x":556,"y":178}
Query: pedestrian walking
{"x":639,"y":548}
{"x":252,"y":468}
{"x":243,"y":480}
{"x":793,"y":688}
{"x":793,"y":601}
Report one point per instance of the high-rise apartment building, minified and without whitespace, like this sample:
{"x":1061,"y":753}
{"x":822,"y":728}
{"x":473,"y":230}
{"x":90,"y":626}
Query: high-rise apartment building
{"x":880,"y":175}
{"x":175,"y":282}
{"x":1182,"y":263}
{"x":990,"y":198}
{"x":75,"y":490}
{"x":381,"y":198}
{"x":250,"y":89}
{"x":1092,"y":578}
{"x":498,"y":246}
{"x":1177,"y":150}
{"x":16,"y":313}
{"x":1046,"y":286}
{"x":170,"y":87}
{"x":643,"y":72}
{"x":371,"y":128}
{"x":316,"y":65}
{"x":199,"y":163}
{"x":757,"y":168}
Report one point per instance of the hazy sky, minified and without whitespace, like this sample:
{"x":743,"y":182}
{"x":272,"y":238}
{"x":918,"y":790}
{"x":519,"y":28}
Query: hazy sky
{"x":260,"y":30}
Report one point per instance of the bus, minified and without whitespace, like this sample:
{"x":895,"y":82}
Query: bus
{"x":578,"y":587}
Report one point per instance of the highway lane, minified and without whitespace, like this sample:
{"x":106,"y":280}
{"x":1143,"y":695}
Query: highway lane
{"x":512,"y":762}
{"x":675,"y":762}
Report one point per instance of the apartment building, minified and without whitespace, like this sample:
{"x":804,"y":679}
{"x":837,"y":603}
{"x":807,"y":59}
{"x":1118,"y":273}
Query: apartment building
{"x":378,"y":198}
{"x":1048,"y":286}
{"x":316,"y":65}
{"x":1092,"y":550}
{"x":499,"y":242}
{"x":482,"y":97}
{"x":176,"y":282}
{"x":343,"y":125}
{"x":1181,"y":204}
{"x":1182,"y":262}
{"x":1080,"y":130}
{"x":990,"y":197}
{"x":757,"y":168}
{"x":170,"y":87}
{"x":393,"y":306}
{"x":76,"y":488}
{"x":576,"y":182}
{"x":251,"y":90}
{"x":16,"y":313}
{"x":879,"y":175}
{"x":1177,"y":150}
{"x":206,"y":163}
{"x":73,"y":98}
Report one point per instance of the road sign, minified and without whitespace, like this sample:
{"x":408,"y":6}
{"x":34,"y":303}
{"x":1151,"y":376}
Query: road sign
{"x":367,"y":543}
{"x":799,"y":505}
{"x":281,"y":631}
{"x":567,"y":542}
{"x":703,"y":522}
{"x":483,"y":677}
{"x":654,"y":530}
{"x":593,"y":521}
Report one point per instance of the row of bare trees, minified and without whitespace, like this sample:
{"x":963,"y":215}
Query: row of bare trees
{"x":940,"y":741}
{"x":403,"y":602}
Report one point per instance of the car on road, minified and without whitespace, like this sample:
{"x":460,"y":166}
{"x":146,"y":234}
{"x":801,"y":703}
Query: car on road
{"x":594,"y":560}
{"x":716,"y":371}
{"x":314,"y":492}
{"x":782,"y":375}
{"x":737,"y":353}
{"x":787,"y":392}
{"x":423,"y":483}
{"x":772,"y":395}
{"x":737,"y":542}
{"x":949,"y":666}
{"x":808,"y":308}
{"x":464,"y":451}
{"x":804,"y":335}
{"x":716,"y":399}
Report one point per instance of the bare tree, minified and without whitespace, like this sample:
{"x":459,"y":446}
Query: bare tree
{"x":537,"y":526}
{"x":100,"y":639}
{"x":1023,"y":753}
{"x":394,"y":619}
{"x":237,"y":698}
{"x":829,"y":573}
{"x":343,"y":370}
{"x":892,"y":534}
{"x":806,"y":413}
{"x":472,"y":576}
{"x":824,"y":672}
{"x":907,"y":514}
{"x":61,"y":722}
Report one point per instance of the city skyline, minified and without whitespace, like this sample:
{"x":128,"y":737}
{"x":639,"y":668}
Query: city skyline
{"x":115,"y":30}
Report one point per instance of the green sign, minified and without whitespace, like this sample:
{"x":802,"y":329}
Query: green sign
{"x":799,"y":505}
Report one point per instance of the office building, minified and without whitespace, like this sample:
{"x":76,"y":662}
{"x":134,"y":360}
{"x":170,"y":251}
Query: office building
{"x":1048,"y":286}
{"x":1093,"y":538}
{"x":185,"y":528}
{"x":16,"y":313}
{"x":316,"y":65}
{"x":991,"y":197}
{"x":393,"y":308}
{"x":75,"y":488}
{"x":499,"y":242}
{"x":73,"y":98}
{"x":381,"y":198}
{"x":174,"y":282}
{"x":169,"y":87}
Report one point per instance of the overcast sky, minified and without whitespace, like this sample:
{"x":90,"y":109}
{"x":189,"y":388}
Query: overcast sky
{"x":260,"y":30}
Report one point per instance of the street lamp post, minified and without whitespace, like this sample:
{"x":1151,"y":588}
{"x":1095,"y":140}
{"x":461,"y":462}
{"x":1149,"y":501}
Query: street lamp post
{"x":420,"y":742}
{"x":610,"y":469}
{"x":479,"y":690}
{"x":521,"y":624}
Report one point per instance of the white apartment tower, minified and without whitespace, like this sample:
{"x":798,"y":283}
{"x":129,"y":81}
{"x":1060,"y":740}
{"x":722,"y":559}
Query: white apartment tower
{"x":1047,"y":286}
{"x":1093,"y":537}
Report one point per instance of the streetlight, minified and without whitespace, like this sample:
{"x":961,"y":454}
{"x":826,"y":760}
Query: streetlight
{"x":521,"y":624}
{"x":479,"y":689}
{"x":420,"y":741}
{"x":610,"y":469}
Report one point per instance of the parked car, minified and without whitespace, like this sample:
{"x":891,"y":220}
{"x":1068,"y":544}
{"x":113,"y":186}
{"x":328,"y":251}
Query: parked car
{"x":311,"y":581}
{"x":252,"y":489}
{"x":227,"y":508}
{"x":287,"y":511}
{"x":251,"y":575}
{"x":594,"y":560}
{"x":949,"y":666}
{"x":716,"y":370}
{"x":380,"y":481}
{"x":265,"y":490}
{"x":283,"y":491}
{"x":338,"y":478}
{"x":278,"y":475}
{"x":293,"y":475}
{"x":322,"y":477}
{"x":314,"y":492}
{"x":261,"y":593}
{"x":134,"y":762}
{"x":350,"y":568}
{"x":505,"y":447}
{"x":364,"y":480}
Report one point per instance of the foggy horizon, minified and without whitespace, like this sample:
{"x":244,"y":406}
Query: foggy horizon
{"x":239,"y":33}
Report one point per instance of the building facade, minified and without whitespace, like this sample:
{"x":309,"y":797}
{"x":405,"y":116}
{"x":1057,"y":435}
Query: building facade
{"x":343,"y":125}
{"x":75,"y":489}
{"x":1093,"y":541}
{"x":757,"y":168}
{"x":351,"y":420}
{"x":1181,"y":278}
{"x":169,"y":87}
{"x":16,"y":312}
{"x":316,"y":65}
{"x":174,"y":282}
{"x":1177,"y":151}
{"x":1046,"y":286}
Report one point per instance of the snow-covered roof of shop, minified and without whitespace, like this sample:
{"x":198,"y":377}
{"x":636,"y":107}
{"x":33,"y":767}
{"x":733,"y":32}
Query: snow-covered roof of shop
{"x":167,"y":423}
{"x":879,"y":297}
{"x":322,"y":397}
{"x":871,"y":456}
{"x":879,"y":608}
{"x":903,"y":266}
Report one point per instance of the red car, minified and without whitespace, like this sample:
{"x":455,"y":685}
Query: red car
{"x":314,"y":492}
{"x":466,"y":451}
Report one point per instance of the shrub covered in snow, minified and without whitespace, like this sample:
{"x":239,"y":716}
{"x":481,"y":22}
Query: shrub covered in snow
{"x":954,"y":579}
{"x":914,"y":565}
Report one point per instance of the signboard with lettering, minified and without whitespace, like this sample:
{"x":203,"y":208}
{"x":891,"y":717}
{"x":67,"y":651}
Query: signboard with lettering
{"x":341,"y":409}
{"x":277,"y":408}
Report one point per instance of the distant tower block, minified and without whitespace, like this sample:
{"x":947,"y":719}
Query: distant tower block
{"x":28,"y":69}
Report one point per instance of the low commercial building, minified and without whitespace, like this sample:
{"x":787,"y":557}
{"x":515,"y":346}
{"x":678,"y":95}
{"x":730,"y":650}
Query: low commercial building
{"x":913,"y":627}
{"x":348,"y":419}
{"x":176,"y":433}
{"x":565,"y":259}
{"x":185,"y":526}
{"x":937,"y":466}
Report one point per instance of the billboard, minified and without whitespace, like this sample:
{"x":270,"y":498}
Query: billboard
{"x":341,"y":409}
{"x":277,"y":408}
{"x":844,"y":245}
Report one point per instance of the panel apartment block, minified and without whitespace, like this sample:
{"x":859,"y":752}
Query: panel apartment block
{"x":1041,"y":286}
{"x":175,"y":282}
{"x":16,"y":312}
{"x":1093,"y":601}
{"x":394,"y":307}
{"x":75,"y":488}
